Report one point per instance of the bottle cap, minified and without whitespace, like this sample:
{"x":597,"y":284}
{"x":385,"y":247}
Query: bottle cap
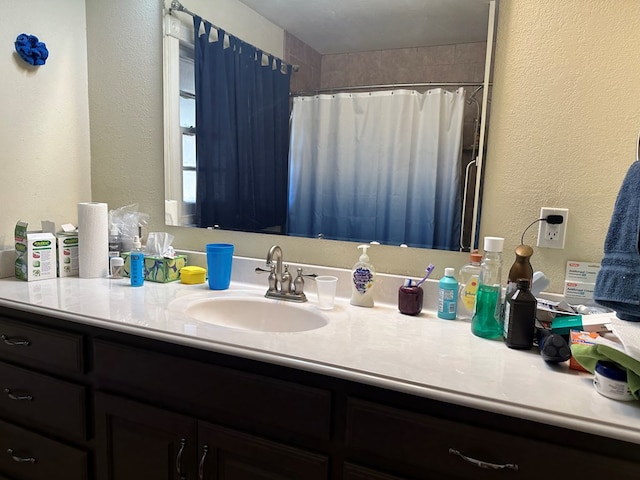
{"x":136,"y":243}
{"x":493,"y":244}
{"x":364,"y":257}
{"x":449,"y":272}
{"x":475,"y":257}
{"x":524,"y":251}
{"x":611,"y":370}
{"x":116,"y":261}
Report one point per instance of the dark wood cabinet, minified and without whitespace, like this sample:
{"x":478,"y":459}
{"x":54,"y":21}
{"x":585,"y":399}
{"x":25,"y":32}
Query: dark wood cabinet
{"x":355,"y":472}
{"x":424,"y":446}
{"x":26,"y":455}
{"x":232,"y":455}
{"x":47,"y":402}
{"x":137,"y":441}
{"x":44,"y":421}
{"x":116,"y":406}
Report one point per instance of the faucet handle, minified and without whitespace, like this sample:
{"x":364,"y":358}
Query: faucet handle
{"x":271,"y":268}
{"x":272,"y":276}
{"x":285,"y":285}
{"x":298,"y":283}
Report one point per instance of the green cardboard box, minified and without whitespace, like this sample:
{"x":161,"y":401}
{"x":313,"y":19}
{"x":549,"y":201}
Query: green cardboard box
{"x":35,"y":254}
{"x":157,"y":268}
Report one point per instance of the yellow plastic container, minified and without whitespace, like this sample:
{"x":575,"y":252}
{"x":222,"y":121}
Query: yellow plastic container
{"x":192,"y":275}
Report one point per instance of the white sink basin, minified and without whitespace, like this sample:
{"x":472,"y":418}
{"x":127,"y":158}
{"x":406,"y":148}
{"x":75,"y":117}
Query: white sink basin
{"x":256,"y":314}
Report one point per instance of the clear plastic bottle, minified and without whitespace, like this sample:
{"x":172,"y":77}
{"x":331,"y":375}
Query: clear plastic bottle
{"x":448,"y":295}
{"x":521,"y":268}
{"x":486,"y":321}
{"x":115,"y":241}
{"x":520,"y":317}
{"x":469,"y":283}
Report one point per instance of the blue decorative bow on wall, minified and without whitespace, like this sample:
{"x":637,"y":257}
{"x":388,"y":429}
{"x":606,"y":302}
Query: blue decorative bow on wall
{"x":31,"y":50}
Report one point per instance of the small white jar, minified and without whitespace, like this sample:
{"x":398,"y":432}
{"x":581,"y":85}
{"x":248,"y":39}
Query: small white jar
{"x":611,"y":381}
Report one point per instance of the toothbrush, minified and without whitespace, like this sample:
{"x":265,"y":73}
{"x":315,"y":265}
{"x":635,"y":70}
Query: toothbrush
{"x":428,"y":271}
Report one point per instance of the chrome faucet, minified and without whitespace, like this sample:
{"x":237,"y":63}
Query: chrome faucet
{"x":281,"y":284}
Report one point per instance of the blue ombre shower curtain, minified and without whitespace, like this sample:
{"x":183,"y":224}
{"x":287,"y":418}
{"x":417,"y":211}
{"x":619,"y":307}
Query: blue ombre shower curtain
{"x":379,"y":166}
{"x":242,"y":133}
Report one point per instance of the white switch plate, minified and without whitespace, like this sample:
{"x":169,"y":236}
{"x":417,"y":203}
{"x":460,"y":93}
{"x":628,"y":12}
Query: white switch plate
{"x":552,"y":236}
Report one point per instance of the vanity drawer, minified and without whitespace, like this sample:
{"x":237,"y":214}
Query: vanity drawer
{"x":50,"y":403}
{"x":40,"y":347}
{"x":220,"y":394}
{"x":419,"y":445}
{"x":24,"y":454}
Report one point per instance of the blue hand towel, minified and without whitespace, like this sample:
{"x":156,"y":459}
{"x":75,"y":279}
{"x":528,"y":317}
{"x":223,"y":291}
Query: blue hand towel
{"x":618,"y":282}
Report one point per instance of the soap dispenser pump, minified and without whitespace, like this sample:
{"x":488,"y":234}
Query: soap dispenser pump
{"x":363,"y":276}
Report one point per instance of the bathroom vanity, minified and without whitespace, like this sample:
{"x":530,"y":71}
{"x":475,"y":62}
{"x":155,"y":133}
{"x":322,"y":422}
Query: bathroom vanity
{"x":101,"y":380}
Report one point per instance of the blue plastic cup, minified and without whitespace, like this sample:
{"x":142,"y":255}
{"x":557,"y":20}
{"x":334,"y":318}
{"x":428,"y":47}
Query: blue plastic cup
{"x":219,"y":258}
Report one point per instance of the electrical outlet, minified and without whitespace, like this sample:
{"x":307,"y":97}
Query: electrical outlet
{"x":552,"y":236}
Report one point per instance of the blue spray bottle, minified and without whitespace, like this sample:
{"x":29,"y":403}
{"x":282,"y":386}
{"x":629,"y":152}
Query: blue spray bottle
{"x":136,"y":262}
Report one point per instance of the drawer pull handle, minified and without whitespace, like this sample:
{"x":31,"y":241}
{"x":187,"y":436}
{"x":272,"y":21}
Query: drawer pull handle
{"x":13,"y":396}
{"x":15,"y":342}
{"x":20,"y":459}
{"x":482,"y":464}
{"x":205,"y":450}
{"x":179,"y":457}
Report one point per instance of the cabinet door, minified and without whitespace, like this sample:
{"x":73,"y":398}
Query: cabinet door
{"x":231,"y":455}
{"x":27,"y":455}
{"x":42,"y":400}
{"x":136,"y":441}
{"x":423,"y":446}
{"x":354,"y":472}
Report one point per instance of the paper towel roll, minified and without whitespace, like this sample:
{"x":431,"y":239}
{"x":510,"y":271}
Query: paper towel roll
{"x":93,"y":240}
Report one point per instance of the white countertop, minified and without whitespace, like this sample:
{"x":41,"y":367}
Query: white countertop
{"x":423,"y":355}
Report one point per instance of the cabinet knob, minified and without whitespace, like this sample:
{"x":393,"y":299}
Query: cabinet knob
{"x":15,"y":342}
{"x":205,"y":450}
{"x":183,"y":442}
{"x":483,"y":464}
{"x":18,"y":459}
{"x":14,"y":396}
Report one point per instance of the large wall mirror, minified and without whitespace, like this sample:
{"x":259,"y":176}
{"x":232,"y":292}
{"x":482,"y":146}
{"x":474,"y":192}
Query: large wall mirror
{"x":387,"y":113}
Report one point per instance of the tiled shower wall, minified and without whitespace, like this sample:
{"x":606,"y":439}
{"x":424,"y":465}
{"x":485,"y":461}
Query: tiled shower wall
{"x":296,"y":52}
{"x":442,"y":63}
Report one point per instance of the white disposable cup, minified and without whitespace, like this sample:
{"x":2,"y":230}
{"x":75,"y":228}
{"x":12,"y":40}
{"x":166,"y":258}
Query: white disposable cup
{"x":326,"y":286}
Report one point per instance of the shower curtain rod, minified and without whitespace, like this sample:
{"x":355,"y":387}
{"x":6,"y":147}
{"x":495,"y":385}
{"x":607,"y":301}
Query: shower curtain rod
{"x":388,"y":85}
{"x":178,"y":7}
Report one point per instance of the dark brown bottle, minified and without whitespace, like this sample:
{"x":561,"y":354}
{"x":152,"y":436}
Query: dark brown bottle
{"x":521,"y":268}
{"x":520,"y":317}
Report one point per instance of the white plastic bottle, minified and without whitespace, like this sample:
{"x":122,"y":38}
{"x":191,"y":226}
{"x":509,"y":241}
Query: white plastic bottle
{"x":469,"y":284}
{"x":363,"y":276}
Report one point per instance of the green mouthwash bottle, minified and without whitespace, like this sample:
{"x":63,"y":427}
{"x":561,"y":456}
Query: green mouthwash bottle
{"x":486,"y":321}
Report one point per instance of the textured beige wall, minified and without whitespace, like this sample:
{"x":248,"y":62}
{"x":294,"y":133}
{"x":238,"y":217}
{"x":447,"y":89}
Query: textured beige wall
{"x":564,"y":122}
{"x":44,"y":119}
